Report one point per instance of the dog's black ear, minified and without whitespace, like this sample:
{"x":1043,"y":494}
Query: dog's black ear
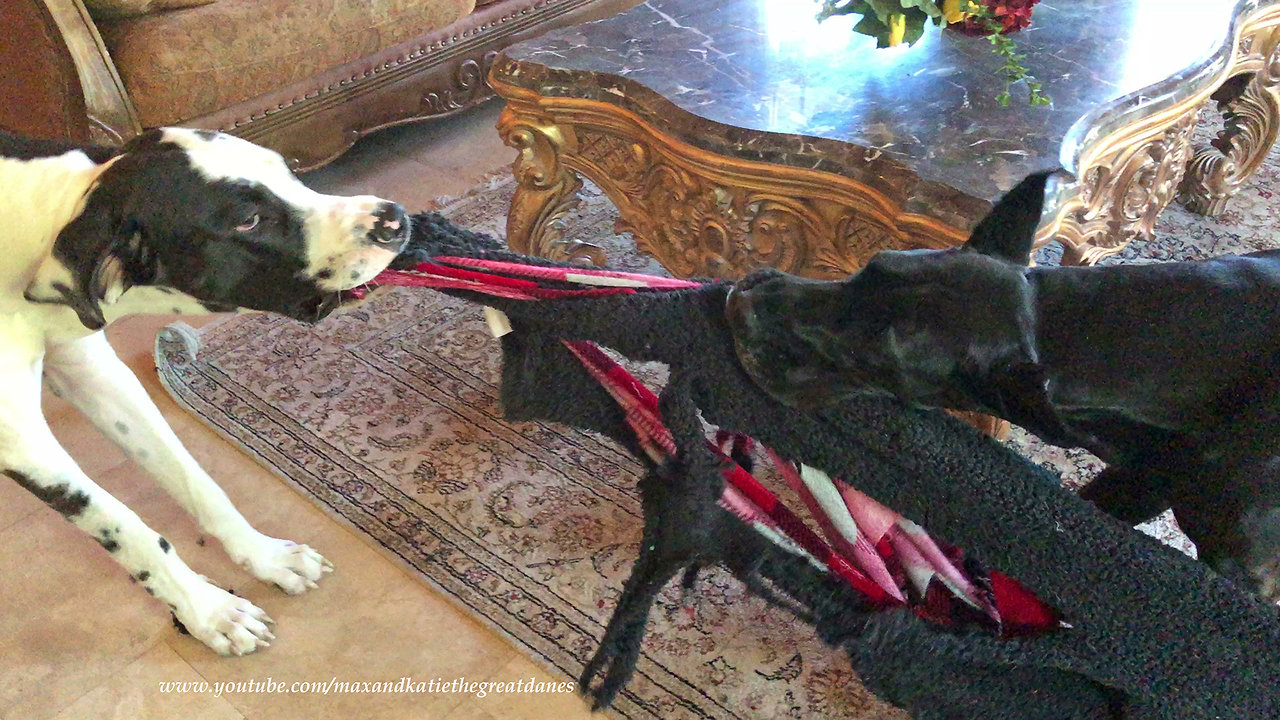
{"x":1009,"y":230}
{"x":143,"y":141}
{"x":95,"y":259}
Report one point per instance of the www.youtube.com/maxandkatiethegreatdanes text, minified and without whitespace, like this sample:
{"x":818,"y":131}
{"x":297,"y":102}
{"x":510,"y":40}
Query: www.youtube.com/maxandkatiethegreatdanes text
{"x":334,"y":686}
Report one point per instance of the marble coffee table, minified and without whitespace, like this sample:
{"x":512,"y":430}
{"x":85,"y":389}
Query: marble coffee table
{"x":740,"y":134}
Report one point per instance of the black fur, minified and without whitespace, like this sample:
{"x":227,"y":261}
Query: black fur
{"x":68,"y":504}
{"x":1164,"y":371}
{"x":1154,"y":635}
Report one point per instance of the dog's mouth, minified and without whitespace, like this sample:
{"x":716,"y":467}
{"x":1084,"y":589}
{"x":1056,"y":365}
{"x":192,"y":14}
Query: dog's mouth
{"x":317,"y":308}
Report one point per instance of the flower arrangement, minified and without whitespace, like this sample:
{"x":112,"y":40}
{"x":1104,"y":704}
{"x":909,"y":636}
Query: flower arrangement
{"x":893,"y":22}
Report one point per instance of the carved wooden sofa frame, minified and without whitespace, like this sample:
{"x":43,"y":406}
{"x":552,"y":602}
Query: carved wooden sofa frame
{"x":60,"y":80}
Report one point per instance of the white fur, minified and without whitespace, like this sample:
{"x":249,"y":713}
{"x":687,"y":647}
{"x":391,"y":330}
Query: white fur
{"x":40,"y":197}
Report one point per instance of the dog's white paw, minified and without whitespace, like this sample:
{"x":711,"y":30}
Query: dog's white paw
{"x":227,"y":623}
{"x":292,"y":567}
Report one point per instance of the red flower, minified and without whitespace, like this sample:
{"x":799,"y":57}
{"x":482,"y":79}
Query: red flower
{"x":1011,"y":14}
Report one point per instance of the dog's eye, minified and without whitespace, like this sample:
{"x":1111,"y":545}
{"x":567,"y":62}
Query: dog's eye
{"x":249,"y":223}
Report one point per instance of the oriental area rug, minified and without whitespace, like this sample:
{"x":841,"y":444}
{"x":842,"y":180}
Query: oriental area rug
{"x":387,"y":416}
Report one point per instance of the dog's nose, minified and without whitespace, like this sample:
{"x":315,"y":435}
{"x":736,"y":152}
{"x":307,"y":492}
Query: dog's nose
{"x":390,"y":225}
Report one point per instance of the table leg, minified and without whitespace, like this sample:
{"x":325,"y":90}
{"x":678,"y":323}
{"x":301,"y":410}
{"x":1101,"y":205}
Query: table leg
{"x":1128,"y":177}
{"x":1250,"y":107}
{"x":547,"y":190}
{"x":1125,"y":185}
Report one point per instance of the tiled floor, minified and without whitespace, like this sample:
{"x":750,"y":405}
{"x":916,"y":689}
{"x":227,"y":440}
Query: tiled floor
{"x":78,"y":640}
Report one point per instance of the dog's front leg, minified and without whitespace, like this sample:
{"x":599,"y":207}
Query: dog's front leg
{"x":88,"y":373}
{"x":30,"y":455}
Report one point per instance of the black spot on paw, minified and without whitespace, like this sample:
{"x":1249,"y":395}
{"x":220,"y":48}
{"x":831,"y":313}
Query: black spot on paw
{"x":150,"y":592}
{"x":164,"y":545}
{"x":178,"y":624}
{"x":122,"y":428}
{"x":324,"y":274}
{"x":110,"y":545}
{"x":142,"y":576}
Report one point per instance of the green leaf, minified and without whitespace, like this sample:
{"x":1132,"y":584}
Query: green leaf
{"x":850,"y":7}
{"x":885,"y":8}
{"x":929,"y":7}
{"x":915,"y":26}
{"x":869,"y":25}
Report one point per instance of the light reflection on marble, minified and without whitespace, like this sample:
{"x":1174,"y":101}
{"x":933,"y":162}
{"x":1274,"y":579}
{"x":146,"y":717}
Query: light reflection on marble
{"x":763,"y":80}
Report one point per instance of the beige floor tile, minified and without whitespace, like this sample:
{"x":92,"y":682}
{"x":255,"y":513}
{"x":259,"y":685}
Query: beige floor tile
{"x":458,"y":150}
{"x":469,"y":710}
{"x":72,"y":617}
{"x":368,"y":621}
{"x":415,"y":164}
{"x":135,"y":693}
{"x":15,"y":503}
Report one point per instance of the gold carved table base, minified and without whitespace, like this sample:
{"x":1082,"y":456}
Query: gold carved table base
{"x":1250,"y":107}
{"x":698,"y":213}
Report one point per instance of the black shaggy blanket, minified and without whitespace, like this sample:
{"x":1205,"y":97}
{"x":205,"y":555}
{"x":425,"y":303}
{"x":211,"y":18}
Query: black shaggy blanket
{"x":1152,"y":633}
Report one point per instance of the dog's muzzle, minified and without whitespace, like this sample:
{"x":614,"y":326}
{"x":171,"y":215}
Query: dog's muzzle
{"x":766,"y":313}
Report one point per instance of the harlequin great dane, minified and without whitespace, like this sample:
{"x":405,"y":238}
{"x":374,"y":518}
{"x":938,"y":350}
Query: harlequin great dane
{"x":177,"y":220}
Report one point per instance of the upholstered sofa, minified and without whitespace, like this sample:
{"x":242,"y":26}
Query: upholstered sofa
{"x":305,"y":77}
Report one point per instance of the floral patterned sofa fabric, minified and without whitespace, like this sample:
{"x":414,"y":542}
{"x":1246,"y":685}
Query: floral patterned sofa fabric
{"x":187,"y":63}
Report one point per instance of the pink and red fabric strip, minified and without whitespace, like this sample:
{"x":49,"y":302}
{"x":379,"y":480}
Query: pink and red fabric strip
{"x":888,"y":559}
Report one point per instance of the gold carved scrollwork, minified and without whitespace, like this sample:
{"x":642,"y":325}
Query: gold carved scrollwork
{"x":468,"y":84}
{"x":705,"y":216}
{"x":1250,"y":106}
{"x":547,"y":190}
{"x":1123,"y":191}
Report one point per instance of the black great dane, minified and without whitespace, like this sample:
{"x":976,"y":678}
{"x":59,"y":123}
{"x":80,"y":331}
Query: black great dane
{"x":1170,"y":373}
{"x":181,"y":221}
